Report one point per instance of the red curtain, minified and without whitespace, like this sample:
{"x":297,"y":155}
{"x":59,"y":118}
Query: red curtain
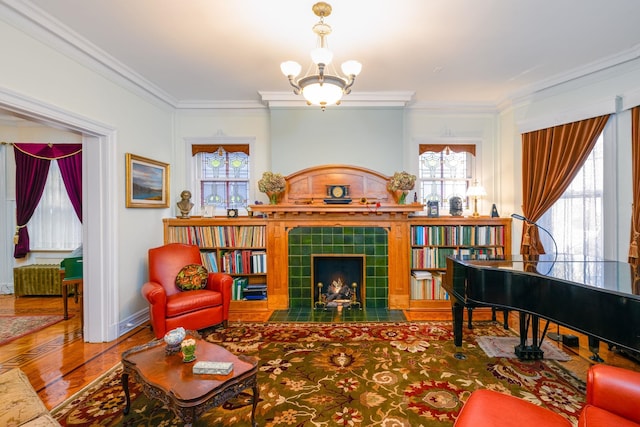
{"x":32,"y":168}
{"x":551,"y":158}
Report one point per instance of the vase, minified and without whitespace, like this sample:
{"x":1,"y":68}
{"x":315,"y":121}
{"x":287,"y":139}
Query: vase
{"x":402,"y":197}
{"x":188,"y":353}
{"x":273,"y":198}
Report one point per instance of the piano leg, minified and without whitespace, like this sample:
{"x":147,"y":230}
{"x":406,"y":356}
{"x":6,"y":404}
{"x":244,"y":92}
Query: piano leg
{"x":457,"y":312}
{"x":523,"y":350}
{"x":594,"y":347}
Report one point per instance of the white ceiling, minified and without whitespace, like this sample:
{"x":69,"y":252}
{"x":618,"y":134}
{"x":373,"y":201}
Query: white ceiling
{"x":447,"y":52}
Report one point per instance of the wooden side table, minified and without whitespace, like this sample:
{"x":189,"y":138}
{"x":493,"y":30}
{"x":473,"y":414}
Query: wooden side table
{"x":168,"y":379}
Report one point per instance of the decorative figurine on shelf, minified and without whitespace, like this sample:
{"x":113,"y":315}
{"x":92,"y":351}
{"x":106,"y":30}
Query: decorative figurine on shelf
{"x":433,"y":209}
{"x":455,"y":206}
{"x":494,"y":211}
{"x":185,"y":205}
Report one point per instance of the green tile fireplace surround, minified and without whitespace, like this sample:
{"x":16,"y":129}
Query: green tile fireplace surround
{"x":372,"y":242}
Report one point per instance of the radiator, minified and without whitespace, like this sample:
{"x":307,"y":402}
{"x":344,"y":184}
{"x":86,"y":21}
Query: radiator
{"x":37,"y":279}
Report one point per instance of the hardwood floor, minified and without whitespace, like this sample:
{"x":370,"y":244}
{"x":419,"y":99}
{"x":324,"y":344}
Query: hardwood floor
{"x":59,"y":363}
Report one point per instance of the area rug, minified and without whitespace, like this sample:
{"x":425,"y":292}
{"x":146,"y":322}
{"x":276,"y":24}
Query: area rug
{"x":14,"y":327}
{"x":504,"y":347}
{"x":358,"y":374}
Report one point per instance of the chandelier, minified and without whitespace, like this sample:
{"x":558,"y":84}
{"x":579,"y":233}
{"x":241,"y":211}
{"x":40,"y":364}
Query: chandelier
{"x":318,"y":86}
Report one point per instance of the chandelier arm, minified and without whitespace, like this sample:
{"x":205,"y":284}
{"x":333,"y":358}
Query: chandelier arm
{"x":347,"y":88}
{"x":296,"y":88}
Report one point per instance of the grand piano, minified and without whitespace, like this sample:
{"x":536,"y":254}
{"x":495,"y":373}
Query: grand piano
{"x":600,"y":299}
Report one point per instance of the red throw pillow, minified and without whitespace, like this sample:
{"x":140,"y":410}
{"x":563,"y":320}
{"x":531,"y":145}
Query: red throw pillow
{"x":192,"y":276}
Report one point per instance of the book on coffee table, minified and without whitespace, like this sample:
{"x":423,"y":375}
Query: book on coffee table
{"x":216,"y":368}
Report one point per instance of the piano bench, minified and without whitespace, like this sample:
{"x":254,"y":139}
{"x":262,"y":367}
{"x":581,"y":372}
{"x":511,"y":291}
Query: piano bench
{"x":488,"y":408}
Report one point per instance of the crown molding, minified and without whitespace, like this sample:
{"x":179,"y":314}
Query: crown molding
{"x":219,"y":105}
{"x":392,"y":99}
{"x":28,"y":18}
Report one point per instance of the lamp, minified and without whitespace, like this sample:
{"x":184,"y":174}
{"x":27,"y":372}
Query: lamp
{"x":476,"y":191}
{"x":321,"y":88}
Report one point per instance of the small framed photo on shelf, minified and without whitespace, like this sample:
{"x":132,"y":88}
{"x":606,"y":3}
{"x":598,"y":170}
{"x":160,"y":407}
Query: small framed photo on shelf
{"x":147,"y":182}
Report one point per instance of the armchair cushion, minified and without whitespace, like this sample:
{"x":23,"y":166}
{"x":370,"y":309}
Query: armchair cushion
{"x":186,"y":302}
{"x":191,"y":277}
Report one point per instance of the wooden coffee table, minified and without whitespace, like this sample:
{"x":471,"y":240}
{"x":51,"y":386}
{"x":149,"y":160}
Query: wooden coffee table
{"x":168,"y":379}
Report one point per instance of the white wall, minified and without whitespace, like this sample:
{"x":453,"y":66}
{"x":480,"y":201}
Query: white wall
{"x":370,"y":138}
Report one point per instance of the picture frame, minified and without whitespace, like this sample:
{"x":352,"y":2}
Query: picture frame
{"x":147,"y":182}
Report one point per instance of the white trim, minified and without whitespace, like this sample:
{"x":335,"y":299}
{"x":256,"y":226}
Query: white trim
{"x":607,"y":106}
{"x":99,"y":226}
{"x":630,"y":100}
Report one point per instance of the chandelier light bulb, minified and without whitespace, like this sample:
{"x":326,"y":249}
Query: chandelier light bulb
{"x":290,"y":68}
{"x":321,"y":55}
{"x":322,"y":94}
{"x":351,"y":68}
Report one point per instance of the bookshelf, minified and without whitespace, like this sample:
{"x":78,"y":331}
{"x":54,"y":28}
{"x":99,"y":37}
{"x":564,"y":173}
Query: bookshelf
{"x":236,"y":246}
{"x":432,"y":240}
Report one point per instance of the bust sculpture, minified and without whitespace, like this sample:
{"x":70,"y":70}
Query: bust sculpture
{"x":185,"y":205}
{"x":455,"y":206}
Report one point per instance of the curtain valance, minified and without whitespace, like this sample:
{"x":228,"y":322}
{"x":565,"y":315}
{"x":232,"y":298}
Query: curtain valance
{"x":48,"y":151}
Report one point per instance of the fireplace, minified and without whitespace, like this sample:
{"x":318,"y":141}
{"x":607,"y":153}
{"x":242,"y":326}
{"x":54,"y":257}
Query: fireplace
{"x":338,"y":281}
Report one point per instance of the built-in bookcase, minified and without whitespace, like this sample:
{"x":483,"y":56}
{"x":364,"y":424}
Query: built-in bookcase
{"x":434,"y":239}
{"x":236,"y":246}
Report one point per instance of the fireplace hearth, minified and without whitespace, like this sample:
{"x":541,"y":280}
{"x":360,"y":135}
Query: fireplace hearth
{"x":338,"y":281}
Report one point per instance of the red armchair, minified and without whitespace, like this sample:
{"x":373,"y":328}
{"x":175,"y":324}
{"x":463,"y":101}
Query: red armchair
{"x":170,"y":307}
{"x":613,"y":398}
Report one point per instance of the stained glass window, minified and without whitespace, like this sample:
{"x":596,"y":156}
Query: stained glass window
{"x":445,"y":171}
{"x":224,"y":177}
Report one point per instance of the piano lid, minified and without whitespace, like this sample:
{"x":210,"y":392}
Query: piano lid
{"x":614,"y":276}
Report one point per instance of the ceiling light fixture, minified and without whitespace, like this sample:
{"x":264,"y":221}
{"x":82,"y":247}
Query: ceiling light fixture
{"x":317,"y":86}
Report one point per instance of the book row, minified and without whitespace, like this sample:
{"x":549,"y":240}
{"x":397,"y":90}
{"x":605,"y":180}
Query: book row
{"x":220,"y":236}
{"x":243,"y":291}
{"x":437,"y":257}
{"x":427,"y":286}
{"x":457,"y":235}
{"x":239,"y":261}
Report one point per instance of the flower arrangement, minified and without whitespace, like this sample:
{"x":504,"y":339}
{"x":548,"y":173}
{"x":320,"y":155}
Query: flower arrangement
{"x":401,"y":181}
{"x":271,"y":183}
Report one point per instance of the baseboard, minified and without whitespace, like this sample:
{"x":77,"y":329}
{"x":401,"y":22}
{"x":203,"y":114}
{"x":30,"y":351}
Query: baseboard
{"x":133,"y":321}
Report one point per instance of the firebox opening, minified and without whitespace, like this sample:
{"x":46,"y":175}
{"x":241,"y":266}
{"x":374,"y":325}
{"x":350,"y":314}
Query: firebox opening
{"x":338,"y":281}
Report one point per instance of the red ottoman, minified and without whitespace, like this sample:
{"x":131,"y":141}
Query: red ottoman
{"x":487,"y":408}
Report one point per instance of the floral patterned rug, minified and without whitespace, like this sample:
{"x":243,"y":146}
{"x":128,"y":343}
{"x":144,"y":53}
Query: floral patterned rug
{"x":14,"y":327}
{"x":347,"y":374}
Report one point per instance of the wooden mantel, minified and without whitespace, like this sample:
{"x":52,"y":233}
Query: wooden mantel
{"x":352,"y":209}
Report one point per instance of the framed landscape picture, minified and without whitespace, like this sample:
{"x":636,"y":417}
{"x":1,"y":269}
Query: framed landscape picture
{"x":147,"y":183}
